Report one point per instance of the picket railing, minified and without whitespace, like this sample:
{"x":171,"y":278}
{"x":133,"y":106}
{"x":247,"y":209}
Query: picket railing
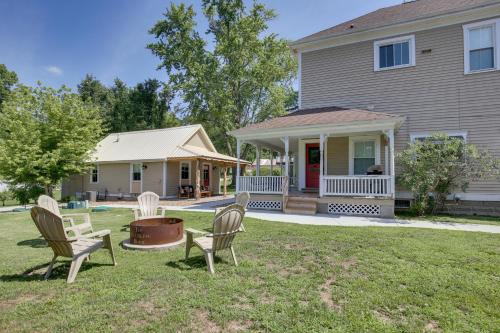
{"x":376,"y":186}
{"x":262,"y":184}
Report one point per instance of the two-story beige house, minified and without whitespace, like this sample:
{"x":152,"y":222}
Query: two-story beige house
{"x":368,"y":87}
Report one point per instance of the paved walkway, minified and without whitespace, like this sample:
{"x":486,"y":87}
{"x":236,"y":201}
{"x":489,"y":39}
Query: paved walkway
{"x":324,"y":219}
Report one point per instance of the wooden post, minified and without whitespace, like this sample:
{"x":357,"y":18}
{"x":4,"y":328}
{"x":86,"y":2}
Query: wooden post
{"x":393,"y":166}
{"x":271,"y":154}
{"x":257,"y":160}
{"x":225,"y":181}
{"x":197,"y":193}
{"x":164,"y":185}
{"x":321,"y":163}
{"x":238,"y":148}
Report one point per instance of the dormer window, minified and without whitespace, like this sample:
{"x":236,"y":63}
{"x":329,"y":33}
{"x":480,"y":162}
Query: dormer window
{"x":394,"y":53}
{"x":481,"y":42}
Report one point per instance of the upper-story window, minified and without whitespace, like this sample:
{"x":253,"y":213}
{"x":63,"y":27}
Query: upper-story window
{"x":481,"y":42}
{"x":462,"y":135}
{"x":394,"y":53}
{"x":94,"y":174}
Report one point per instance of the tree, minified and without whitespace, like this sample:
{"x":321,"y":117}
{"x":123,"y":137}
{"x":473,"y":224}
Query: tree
{"x":26,"y":192}
{"x":433,"y":168}
{"x":8,"y":79}
{"x":5,"y":195}
{"x":244,"y":77}
{"x":46,"y":135}
{"x":91,"y":89}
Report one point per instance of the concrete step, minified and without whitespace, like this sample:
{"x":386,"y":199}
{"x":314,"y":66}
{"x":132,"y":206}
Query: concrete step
{"x":301,"y":204}
{"x":302,"y":199}
{"x":300,"y":211}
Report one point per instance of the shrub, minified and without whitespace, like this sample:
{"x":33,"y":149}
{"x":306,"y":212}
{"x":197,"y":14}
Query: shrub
{"x":431,"y":169}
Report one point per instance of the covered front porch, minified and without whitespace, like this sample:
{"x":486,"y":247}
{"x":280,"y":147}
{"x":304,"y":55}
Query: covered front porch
{"x":342,"y":167}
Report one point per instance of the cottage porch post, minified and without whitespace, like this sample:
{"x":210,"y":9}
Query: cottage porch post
{"x":164,"y":185}
{"x":225,"y":180}
{"x":238,"y":151}
{"x":321,"y":163}
{"x":393,"y":165}
{"x":257,"y":160}
{"x":271,"y":155}
{"x":197,"y":193}
{"x":286,"y":140}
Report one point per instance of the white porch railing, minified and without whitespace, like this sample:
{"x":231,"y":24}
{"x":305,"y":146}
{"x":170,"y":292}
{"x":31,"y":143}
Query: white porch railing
{"x":262,"y":184}
{"x":376,"y":186}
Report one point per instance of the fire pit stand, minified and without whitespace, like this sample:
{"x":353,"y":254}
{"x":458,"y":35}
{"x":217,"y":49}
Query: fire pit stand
{"x":159,"y":233}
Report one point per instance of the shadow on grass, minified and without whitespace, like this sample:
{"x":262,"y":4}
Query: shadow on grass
{"x":36,"y":243}
{"x":60,"y":271}
{"x":195,"y":262}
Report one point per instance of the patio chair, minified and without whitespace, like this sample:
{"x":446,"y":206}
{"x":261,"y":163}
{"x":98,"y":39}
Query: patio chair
{"x":185,"y":191}
{"x":242,"y":198}
{"x":52,"y":229}
{"x":149,"y":203}
{"x":79,"y":230}
{"x":226,"y":225}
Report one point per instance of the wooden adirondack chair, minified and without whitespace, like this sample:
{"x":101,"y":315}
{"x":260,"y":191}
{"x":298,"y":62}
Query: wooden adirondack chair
{"x":149,"y":202}
{"x":242,"y":199}
{"x":51,"y":227}
{"x":226,"y":225}
{"x":83,"y":229}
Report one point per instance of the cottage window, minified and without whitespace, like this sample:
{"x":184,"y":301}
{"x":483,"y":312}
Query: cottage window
{"x":452,"y":134}
{"x":137,"y":172}
{"x":94,"y":174}
{"x":185,"y":170}
{"x":364,"y":152}
{"x":394,"y":53}
{"x":481,"y":42}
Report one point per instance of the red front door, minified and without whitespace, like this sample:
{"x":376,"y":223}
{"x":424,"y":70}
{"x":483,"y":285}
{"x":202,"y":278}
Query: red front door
{"x":312,"y":165}
{"x":206,"y":175}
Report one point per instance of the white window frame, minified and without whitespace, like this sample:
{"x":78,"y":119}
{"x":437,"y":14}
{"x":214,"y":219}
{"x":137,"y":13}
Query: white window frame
{"x":423,"y":135}
{"x":376,"y":52}
{"x":94,"y":167}
{"x":354,"y":139}
{"x":189,"y":170}
{"x":495,"y":23}
{"x":132,"y":172}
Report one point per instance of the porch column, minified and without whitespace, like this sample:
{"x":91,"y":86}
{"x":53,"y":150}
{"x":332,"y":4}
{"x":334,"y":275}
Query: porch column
{"x":286,"y":140}
{"x":321,"y":163}
{"x":393,"y":165}
{"x":325,"y":162}
{"x":281,"y":163}
{"x":238,"y":146}
{"x":257,"y":160}
{"x":271,"y":157}
{"x":225,"y":181}
{"x":197,"y":193}
{"x":164,"y":191}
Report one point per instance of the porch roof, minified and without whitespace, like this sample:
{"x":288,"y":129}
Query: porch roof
{"x":320,"y":117}
{"x":187,"y":152}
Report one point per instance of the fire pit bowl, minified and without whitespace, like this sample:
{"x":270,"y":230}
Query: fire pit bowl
{"x":155,"y":233}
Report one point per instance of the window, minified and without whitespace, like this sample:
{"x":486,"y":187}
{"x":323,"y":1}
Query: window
{"x":394,"y":53}
{"x":452,"y":134}
{"x":364,"y":152}
{"x":137,"y":172}
{"x":481,"y":42}
{"x":94,"y":174}
{"x":185,"y":170}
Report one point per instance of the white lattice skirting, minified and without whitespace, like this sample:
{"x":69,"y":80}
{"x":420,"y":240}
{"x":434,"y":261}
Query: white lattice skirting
{"x":274,"y":205}
{"x":352,"y":209}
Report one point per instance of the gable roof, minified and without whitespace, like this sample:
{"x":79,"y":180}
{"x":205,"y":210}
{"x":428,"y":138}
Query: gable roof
{"x":147,"y":145}
{"x":318,"y":116}
{"x":401,"y":13}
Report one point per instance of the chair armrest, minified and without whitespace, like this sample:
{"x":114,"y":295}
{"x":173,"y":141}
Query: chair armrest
{"x":100,"y":233}
{"x":194,"y":232}
{"x":163,"y":210}
{"x":136,"y":213}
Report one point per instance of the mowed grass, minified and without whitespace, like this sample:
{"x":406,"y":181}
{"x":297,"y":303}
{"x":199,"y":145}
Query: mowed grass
{"x":291,"y":278}
{"x":444,"y":218}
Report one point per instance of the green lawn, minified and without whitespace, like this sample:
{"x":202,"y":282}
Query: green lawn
{"x":467,"y":219}
{"x":291,"y":278}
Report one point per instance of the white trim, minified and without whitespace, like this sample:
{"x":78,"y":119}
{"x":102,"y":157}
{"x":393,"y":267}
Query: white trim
{"x":132,"y":175}
{"x":376,"y":53}
{"x":495,"y":24}
{"x":96,"y":167}
{"x":299,"y":80}
{"x":164,"y":183}
{"x":353,"y":139}
{"x":426,"y":134}
{"x":302,"y":161}
{"x":188,"y":162}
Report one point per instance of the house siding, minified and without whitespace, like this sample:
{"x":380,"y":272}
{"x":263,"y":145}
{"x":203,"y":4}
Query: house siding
{"x":435,"y":95}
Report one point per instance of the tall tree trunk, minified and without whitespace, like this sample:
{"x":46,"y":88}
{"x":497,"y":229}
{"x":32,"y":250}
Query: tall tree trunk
{"x":49,"y":190}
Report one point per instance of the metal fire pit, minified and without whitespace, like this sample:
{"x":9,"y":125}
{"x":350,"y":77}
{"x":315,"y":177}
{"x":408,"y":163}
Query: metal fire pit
{"x":156,"y":231}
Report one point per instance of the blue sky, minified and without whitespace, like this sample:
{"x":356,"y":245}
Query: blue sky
{"x":58,"y":42}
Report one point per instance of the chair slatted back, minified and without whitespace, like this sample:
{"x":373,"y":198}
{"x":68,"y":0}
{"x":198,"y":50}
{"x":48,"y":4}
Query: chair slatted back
{"x":242,"y":199}
{"x":48,"y":203}
{"x":227,"y":224}
{"x":148,"y":204}
{"x":51,"y":227}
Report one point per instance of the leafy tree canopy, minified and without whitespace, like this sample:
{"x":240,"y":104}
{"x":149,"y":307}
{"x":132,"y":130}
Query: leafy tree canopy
{"x":46,"y":135}
{"x":8,"y":79}
{"x":245,"y":76}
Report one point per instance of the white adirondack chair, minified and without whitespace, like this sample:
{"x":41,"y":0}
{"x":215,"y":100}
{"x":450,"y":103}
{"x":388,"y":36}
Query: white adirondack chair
{"x":149,"y":203}
{"x":51,"y":227}
{"x":226,"y":225}
{"x":83,"y":229}
{"x":242,"y":199}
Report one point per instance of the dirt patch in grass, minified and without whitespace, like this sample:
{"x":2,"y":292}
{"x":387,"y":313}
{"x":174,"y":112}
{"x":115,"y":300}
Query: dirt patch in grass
{"x":238,"y":325}
{"x":382,"y":316}
{"x":12,"y":303}
{"x":432,"y":326}
{"x":325,"y":294}
{"x":204,"y":323}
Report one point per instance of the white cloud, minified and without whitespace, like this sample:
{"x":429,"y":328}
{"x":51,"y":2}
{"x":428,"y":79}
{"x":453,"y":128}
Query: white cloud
{"x":54,"y":70}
